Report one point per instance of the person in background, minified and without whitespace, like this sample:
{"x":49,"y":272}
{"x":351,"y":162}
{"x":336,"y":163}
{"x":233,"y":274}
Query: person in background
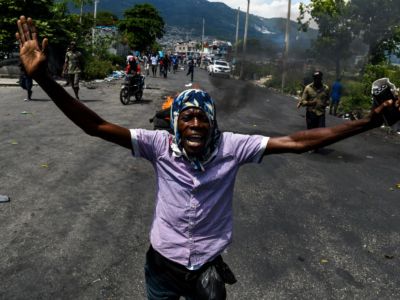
{"x":154,"y":62}
{"x":165,"y":63}
{"x":315,"y":98}
{"x":73,"y":67}
{"x":336,"y":94}
{"x":64,"y":72}
{"x":174,"y":62}
{"x":190,"y":69}
{"x":146,"y":64}
{"x":25,"y":81}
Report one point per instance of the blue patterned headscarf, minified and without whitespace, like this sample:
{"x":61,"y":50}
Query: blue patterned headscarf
{"x":199,"y":99}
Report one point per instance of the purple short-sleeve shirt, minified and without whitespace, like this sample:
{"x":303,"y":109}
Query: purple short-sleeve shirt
{"x":192,"y":222}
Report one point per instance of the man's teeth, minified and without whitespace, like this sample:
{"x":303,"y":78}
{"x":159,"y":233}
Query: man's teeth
{"x":194,"y":138}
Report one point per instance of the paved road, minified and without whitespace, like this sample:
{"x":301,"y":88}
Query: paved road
{"x":311,"y":226}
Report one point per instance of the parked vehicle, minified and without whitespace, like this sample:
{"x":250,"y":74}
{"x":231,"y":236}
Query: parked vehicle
{"x":133,"y":85}
{"x":219,"y":67}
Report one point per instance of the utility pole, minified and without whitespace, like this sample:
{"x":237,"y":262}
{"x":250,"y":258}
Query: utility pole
{"x":244,"y":41}
{"x":285,"y":55}
{"x":80,"y":16}
{"x":237,"y":33}
{"x":202,"y":37}
{"x":94,"y":23}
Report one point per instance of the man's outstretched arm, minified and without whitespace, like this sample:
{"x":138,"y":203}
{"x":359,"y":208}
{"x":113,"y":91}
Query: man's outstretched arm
{"x":303,"y":141}
{"x":34,"y":59}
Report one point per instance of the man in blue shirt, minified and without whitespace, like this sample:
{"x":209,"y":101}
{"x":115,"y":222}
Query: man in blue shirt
{"x":336,"y":94}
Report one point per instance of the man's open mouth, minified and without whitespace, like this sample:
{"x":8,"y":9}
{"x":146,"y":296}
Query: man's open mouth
{"x":194,"y":140}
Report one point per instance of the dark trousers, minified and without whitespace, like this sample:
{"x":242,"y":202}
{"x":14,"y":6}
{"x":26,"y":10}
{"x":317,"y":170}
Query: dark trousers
{"x":333,"y":107}
{"x":26,"y":83}
{"x":314,"y":121}
{"x":167,"y":280}
{"x":191,"y":75}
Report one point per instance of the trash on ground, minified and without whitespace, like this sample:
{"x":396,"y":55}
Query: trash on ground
{"x":13,"y":142}
{"x":115,"y":75}
{"x":324,"y":261}
{"x":389,"y":256}
{"x":25,"y":113}
{"x":4,"y":198}
{"x":398,"y":185}
{"x":44,"y":165}
{"x":369,"y":157}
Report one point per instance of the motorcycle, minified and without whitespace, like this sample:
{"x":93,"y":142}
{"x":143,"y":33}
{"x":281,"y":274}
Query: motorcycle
{"x":133,"y":85}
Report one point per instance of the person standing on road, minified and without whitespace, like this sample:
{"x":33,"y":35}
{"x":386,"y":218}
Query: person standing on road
{"x":25,"y":81}
{"x":190,"y":69}
{"x":146,"y":64}
{"x":195,"y":167}
{"x":154,"y":62}
{"x":73,"y":67}
{"x":174,"y":62}
{"x":64,"y":73}
{"x":336,"y":94}
{"x":165,"y":63}
{"x":315,"y":98}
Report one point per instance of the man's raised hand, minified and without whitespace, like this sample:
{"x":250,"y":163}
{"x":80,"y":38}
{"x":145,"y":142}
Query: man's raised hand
{"x":32,"y":56}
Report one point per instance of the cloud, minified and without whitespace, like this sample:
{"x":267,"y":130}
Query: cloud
{"x":266,"y":9}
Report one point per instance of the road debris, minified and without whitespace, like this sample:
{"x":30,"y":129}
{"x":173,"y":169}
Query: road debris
{"x":4,"y":199}
{"x":324,"y":261}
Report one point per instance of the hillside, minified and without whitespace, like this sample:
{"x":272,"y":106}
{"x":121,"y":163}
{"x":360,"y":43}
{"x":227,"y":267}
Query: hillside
{"x":220,"y":20}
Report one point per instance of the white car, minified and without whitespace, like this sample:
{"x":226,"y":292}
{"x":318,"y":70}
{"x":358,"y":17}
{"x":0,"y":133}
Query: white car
{"x":219,"y":67}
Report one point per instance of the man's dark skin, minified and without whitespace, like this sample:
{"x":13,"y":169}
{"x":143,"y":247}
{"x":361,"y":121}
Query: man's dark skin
{"x":193,"y":123}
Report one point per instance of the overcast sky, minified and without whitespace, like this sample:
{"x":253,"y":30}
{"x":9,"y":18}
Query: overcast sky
{"x":266,"y":8}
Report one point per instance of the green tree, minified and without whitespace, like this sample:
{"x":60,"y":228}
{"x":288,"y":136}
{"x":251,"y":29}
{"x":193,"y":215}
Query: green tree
{"x":334,"y":24}
{"x":141,"y":26}
{"x":106,"y":18}
{"x":11,"y":10}
{"x":377,"y":22}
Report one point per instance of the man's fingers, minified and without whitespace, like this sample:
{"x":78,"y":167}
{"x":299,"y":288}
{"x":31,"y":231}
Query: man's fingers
{"x":26,"y":31}
{"x":32,"y":29}
{"x":45,"y":44}
{"x":20,"y":30}
{"x":17,"y":36}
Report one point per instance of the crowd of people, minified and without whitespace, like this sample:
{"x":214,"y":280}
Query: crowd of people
{"x":160,"y":63}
